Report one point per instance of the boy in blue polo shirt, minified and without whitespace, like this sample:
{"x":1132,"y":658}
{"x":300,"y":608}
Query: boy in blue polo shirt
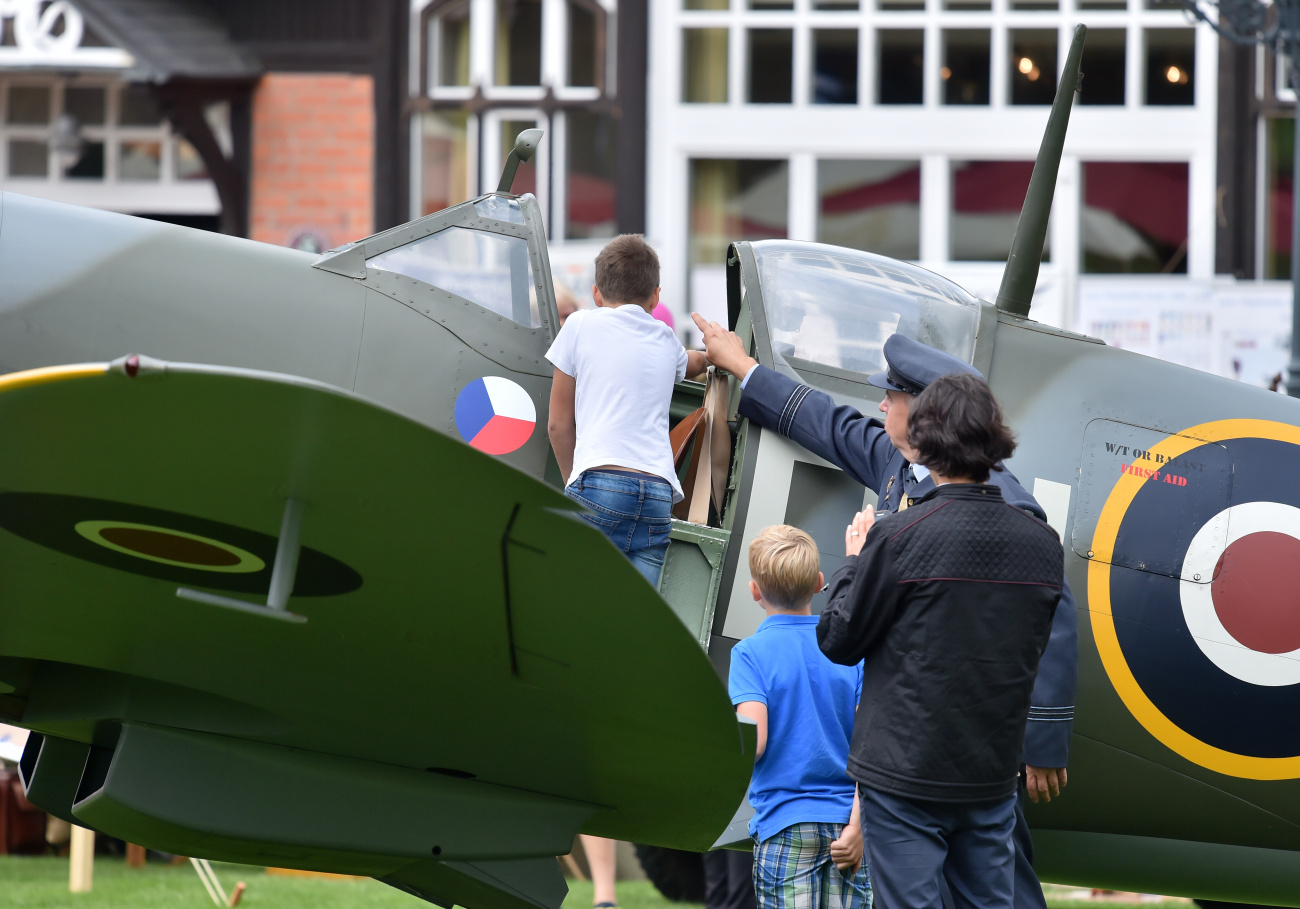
{"x":807,"y":838}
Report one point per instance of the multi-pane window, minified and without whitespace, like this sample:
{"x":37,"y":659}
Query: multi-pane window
{"x":547,"y":66}
{"x":1134,"y":214}
{"x":938,"y":173}
{"x":824,"y":39}
{"x":106,"y":131}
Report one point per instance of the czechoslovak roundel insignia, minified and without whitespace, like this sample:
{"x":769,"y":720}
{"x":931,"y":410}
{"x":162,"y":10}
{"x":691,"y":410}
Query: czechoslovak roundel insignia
{"x":495,"y":415}
{"x":1194,"y":595}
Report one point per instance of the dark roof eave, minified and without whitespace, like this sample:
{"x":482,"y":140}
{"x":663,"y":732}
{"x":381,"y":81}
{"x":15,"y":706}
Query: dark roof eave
{"x":171,"y":40}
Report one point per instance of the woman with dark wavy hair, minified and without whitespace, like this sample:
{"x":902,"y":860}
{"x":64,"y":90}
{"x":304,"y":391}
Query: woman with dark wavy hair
{"x":957,"y":431}
{"x":950,"y":605}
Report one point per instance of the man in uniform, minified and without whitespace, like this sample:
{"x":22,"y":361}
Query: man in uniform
{"x":868,"y":450}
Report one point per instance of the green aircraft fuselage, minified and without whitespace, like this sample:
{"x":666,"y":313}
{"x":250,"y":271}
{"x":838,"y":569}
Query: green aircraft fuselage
{"x":450,"y":646}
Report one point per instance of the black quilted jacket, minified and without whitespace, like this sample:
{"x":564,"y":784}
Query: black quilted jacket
{"x":950,"y":604}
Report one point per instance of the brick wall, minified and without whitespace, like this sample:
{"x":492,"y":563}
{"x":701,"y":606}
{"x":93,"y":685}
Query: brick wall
{"x":313,"y":159}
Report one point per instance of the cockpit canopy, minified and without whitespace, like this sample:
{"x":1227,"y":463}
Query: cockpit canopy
{"x":829,"y":310}
{"x":487,"y":268}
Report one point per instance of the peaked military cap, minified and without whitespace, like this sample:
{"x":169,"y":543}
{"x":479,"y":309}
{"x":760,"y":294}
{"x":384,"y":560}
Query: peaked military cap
{"x":911,"y":366}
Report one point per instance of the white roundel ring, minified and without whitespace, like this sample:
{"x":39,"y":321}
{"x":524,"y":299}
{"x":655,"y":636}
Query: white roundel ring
{"x":1238,"y":592}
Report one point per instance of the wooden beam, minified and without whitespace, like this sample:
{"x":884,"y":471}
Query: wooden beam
{"x":633,"y":23}
{"x":135,"y":856}
{"x":183,"y":104}
{"x":81,"y":875}
{"x":389,"y":43}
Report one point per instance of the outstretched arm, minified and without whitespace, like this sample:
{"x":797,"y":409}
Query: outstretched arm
{"x":842,"y":435}
{"x":696,"y":363}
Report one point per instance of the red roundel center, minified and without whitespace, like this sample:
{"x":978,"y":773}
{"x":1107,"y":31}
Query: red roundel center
{"x":1256,"y":591}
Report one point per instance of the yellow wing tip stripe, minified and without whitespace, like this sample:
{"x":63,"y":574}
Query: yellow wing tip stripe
{"x":1103,"y":622}
{"x":46,"y":374}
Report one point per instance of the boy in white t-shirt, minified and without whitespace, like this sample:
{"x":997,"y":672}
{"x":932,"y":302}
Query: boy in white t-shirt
{"x":615,"y":367}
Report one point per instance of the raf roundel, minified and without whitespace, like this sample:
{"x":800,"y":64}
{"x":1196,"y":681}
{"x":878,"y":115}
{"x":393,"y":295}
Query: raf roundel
{"x":495,"y":415}
{"x":1192,"y":596}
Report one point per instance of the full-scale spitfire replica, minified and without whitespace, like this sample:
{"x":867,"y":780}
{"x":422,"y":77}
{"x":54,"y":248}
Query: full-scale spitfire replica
{"x":286,"y":577}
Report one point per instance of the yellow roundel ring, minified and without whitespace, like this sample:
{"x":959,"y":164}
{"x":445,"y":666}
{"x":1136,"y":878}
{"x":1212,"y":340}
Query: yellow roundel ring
{"x":170,"y":547}
{"x":1121,"y":676}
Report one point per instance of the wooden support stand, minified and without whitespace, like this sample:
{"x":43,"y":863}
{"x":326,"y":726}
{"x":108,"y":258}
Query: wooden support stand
{"x":81,"y":876}
{"x":135,"y":856}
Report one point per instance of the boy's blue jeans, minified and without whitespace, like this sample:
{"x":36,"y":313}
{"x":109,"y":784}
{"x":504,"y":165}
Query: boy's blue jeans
{"x":633,"y":510}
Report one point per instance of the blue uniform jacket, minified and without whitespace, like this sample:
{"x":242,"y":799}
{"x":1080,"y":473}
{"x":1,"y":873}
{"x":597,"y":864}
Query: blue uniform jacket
{"x":859,"y":446}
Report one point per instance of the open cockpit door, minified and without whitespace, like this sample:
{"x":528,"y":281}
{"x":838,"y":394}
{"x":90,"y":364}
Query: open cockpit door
{"x":459,"y":313}
{"x":821,"y":314}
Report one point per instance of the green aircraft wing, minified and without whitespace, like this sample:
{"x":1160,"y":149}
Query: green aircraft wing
{"x":457,"y":675}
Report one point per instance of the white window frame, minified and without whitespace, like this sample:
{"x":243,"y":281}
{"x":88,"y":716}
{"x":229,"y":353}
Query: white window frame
{"x":167,"y":194}
{"x":493,"y":160}
{"x":932,"y":132}
{"x":520,"y":101}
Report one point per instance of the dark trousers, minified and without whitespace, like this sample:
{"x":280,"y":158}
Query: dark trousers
{"x":729,"y":880}
{"x":914,"y":846}
{"x":1029,"y":892}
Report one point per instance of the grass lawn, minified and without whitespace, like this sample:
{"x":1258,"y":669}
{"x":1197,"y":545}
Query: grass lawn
{"x":42,"y":883}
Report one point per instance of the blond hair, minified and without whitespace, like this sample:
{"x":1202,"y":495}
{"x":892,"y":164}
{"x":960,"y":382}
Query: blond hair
{"x":565,"y":302}
{"x":783,"y":562}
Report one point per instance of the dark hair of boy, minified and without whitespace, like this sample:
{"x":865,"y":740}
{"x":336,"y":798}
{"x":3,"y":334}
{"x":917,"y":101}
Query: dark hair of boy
{"x":627,"y":270}
{"x":957,"y":428}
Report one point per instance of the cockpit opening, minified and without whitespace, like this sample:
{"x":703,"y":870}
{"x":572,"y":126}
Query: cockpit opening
{"x":828,"y":307}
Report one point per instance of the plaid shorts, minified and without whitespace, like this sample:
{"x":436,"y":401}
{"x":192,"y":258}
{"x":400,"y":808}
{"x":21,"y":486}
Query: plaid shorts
{"x":793,"y":870}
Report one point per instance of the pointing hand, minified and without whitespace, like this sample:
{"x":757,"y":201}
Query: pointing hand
{"x":724,"y":348}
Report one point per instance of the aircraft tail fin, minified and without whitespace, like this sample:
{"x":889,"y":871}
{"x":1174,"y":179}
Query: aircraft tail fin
{"x":1021,"y":274}
{"x":531,"y":883}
